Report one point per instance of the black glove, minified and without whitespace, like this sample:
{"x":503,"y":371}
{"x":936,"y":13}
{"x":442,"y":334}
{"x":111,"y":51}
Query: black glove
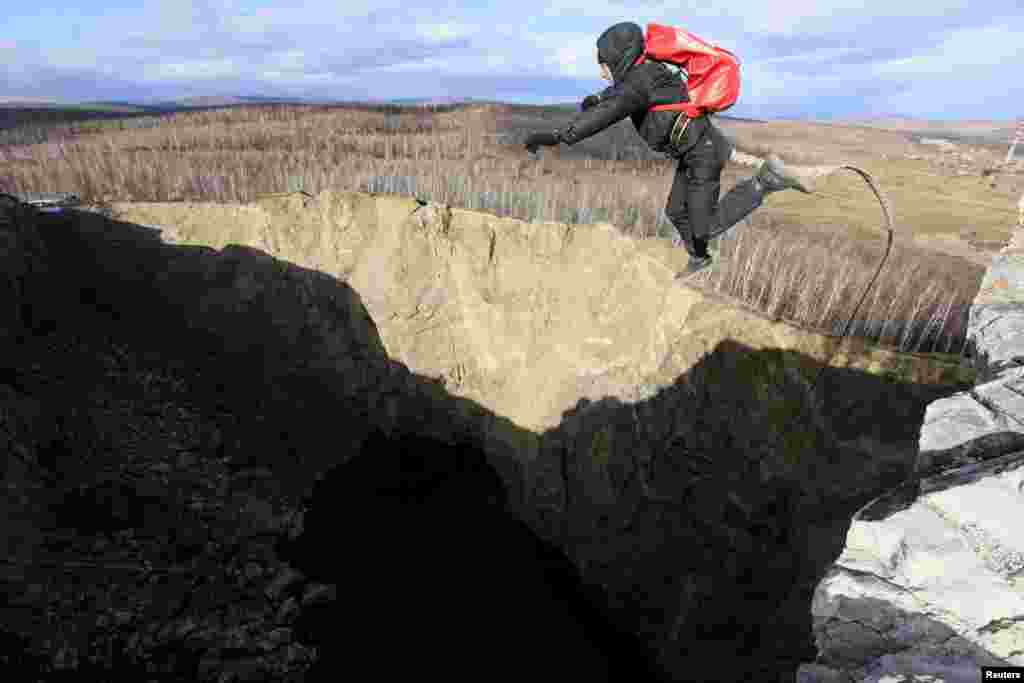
{"x":589,"y":101}
{"x":537,"y":139}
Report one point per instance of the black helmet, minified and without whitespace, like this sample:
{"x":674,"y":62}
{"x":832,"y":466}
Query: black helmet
{"x":619,"y":47}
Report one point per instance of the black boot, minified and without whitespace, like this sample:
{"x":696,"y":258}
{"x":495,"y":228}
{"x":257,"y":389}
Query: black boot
{"x":696,"y":264}
{"x":700,"y":259}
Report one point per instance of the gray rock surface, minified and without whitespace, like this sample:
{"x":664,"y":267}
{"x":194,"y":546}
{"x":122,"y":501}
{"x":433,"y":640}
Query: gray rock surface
{"x":930,"y":584}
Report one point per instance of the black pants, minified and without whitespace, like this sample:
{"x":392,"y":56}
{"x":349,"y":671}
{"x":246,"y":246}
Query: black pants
{"x":693,"y":206}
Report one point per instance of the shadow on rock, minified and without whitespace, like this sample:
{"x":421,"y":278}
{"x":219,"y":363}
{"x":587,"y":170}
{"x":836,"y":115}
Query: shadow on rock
{"x":889,"y":643}
{"x":435,"y":578}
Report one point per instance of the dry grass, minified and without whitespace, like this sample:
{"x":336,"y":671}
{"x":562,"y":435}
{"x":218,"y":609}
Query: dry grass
{"x":919,"y":302}
{"x":785,"y":264}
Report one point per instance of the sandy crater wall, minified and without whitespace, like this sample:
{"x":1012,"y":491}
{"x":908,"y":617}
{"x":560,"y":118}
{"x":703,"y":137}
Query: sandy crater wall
{"x":524,"y":318}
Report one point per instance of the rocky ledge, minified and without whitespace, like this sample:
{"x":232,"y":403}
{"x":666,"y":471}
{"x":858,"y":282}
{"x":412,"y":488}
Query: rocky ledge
{"x":930,"y":584}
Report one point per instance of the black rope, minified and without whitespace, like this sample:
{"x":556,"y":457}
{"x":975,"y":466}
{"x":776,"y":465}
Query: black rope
{"x":888,"y":247}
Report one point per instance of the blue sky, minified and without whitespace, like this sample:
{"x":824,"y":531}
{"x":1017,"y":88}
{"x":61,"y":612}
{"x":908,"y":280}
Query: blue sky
{"x":940,"y":59}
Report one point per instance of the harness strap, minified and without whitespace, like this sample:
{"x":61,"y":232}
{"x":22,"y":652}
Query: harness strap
{"x":676,"y":136}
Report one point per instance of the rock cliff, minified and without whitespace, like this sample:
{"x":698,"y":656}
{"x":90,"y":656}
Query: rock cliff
{"x":928,"y":586}
{"x":664,"y":439}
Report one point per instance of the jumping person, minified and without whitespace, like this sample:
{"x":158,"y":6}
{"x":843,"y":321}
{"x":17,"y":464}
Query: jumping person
{"x":702,"y":149}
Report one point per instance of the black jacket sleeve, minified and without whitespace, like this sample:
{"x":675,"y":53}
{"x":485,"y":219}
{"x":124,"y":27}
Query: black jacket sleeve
{"x":617,"y":102}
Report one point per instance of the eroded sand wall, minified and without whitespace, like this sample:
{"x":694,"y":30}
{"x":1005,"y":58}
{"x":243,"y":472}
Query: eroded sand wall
{"x":524,"y":318}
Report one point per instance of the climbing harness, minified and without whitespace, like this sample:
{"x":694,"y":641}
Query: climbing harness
{"x":676,"y":136}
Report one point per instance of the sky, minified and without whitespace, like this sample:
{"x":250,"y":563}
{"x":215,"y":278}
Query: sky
{"x":937,"y":59}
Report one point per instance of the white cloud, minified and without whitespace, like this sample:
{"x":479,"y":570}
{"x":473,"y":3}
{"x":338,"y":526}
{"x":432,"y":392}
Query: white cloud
{"x":792,"y":53}
{"x":987,"y":46}
{"x":446,"y":31}
{"x":198,"y":69}
{"x":814,"y":56}
{"x":574,"y":56}
{"x":290,"y":60}
{"x":795,"y":17}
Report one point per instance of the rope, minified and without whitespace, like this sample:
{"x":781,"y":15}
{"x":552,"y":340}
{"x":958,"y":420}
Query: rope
{"x":887,"y":212}
{"x":749,"y":160}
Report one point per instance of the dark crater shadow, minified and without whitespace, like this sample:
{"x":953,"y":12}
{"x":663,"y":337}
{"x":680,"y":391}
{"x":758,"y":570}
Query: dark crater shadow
{"x":435,"y":578}
{"x":449,"y":548}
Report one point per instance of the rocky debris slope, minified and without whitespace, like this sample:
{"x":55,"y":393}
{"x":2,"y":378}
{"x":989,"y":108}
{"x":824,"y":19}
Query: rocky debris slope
{"x":134,"y":548}
{"x":665,"y":440}
{"x":147,"y":551}
{"x":930,"y":585}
